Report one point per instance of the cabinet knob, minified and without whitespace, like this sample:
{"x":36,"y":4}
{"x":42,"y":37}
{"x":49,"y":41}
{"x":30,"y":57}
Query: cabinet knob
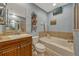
{"x":18,"y":46}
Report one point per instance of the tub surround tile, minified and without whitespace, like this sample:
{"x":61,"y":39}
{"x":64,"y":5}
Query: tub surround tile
{"x":65,"y":35}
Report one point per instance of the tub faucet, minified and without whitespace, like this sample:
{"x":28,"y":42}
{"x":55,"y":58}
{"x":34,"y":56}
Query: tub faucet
{"x":70,"y":41}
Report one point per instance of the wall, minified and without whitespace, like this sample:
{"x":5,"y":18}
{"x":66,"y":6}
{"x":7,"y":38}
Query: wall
{"x":2,"y":28}
{"x":64,"y":21}
{"x":41,"y":18}
{"x":76,"y":43}
{"x":16,"y":8}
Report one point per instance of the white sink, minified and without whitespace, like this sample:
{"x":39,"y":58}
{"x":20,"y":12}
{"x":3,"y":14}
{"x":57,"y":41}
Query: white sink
{"x":13,"y":36}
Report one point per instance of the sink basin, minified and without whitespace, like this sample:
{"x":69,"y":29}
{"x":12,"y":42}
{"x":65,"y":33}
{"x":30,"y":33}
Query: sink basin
{"x":16,"y":36}
{"x":13,"y":36}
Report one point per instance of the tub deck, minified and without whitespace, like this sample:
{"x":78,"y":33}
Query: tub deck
{"x":60,"y":46}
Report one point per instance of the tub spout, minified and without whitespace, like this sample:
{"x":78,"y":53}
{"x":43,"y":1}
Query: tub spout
{"x":70,"y":41}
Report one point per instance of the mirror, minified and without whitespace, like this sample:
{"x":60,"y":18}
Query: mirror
{"x":12,"y":20}
{"x":16,"y":23}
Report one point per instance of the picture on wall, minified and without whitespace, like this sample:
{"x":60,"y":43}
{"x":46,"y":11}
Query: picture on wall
{"x":53,"y":22}
{"x":2,"y":22}
{"x":33,"y":22}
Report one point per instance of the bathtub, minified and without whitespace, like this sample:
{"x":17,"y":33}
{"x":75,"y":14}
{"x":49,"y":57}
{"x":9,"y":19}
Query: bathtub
{"x":58,"y":45}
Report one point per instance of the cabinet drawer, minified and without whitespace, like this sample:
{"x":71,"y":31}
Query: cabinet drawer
{"x":29,"y":39}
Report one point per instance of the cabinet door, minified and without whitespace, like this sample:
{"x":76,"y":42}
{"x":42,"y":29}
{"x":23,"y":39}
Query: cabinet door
{"x":12,"y":50}
{"x":26,"y":49}
{"x":1,"y":53}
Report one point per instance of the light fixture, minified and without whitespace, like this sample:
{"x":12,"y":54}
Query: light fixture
{"x":4,"y":4}
{"x":1,"y":7}
{"x":14,"y":16}
{"x":54,"y":4}
{"x":13,"y":21}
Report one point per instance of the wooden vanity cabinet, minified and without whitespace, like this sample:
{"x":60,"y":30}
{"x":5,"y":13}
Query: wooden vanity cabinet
{"x":18,"y":47}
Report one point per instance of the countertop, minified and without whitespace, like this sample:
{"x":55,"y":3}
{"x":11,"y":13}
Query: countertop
{"x":13,"y":37}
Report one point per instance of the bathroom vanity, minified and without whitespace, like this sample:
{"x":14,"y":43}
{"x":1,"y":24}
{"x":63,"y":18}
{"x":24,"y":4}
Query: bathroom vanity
{"x":16,"y":45}
{"x":12,"y":41}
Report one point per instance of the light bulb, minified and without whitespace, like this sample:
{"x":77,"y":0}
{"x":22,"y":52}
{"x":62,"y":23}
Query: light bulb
{"x":54,"y":4}
{"x":1,"y":7}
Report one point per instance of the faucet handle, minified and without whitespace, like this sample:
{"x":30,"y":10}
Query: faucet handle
{"x":70,"y":41}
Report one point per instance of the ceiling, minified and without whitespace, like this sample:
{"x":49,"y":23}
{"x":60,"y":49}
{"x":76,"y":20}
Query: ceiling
{"x":49,"y":6}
